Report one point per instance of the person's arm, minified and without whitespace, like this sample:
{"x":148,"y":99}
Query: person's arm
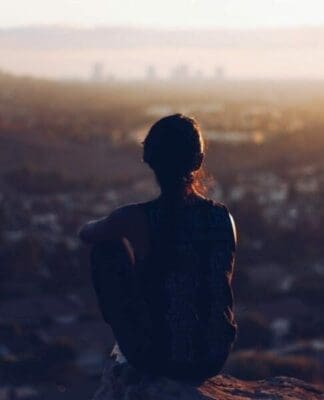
{"x":107,"y":228}
{"x":234,"y":231}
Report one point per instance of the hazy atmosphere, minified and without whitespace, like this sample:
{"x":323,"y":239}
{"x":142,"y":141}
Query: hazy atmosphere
{"x":81,"y":83}
{"x":268,"y":39}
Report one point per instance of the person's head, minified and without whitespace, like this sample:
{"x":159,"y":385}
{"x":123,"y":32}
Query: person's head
{"x":174,"y":149}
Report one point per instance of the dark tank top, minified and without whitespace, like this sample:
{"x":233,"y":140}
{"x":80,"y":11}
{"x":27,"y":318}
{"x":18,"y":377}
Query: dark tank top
{"x":186,"y":280}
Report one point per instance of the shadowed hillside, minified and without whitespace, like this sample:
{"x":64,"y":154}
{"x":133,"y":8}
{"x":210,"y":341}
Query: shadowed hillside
{"x":71,"y":151}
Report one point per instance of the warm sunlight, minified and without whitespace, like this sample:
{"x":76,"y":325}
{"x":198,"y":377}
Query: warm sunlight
{"x":126,"y":39}
{"x":191,"y":267}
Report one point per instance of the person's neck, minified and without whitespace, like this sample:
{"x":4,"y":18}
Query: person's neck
{"x":179,"y":194}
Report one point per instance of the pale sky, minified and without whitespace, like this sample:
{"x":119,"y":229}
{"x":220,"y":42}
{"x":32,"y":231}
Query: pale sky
{"x":163,"y":13}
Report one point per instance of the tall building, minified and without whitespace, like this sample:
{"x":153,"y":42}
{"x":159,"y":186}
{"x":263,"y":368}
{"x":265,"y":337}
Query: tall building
{"x":97,"y":72}
{"x":219,"y":72}
{"x":151,"y":73}
{"x":180,"y":72}
{"x":199,"y":75}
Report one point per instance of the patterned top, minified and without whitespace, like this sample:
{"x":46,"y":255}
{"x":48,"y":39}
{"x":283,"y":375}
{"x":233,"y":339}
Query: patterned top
{"x":186,"y":279}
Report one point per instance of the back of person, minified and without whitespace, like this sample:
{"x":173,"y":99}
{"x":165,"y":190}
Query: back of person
{"x":162,"y":269}
{"x":186,"y":283}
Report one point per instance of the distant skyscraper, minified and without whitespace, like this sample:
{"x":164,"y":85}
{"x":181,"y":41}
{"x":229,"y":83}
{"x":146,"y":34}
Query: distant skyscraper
{"x":97,"y":73}
{"x":180,"y":72}
{"x":199,"y":75}
{"x":151,"y":72}
{"x":219,"y":72}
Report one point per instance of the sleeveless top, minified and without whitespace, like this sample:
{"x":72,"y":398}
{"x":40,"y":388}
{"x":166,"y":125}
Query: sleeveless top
{"x":186,"y":280}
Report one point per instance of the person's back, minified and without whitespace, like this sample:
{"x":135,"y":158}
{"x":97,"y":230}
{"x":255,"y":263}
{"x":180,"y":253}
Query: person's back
{"x":166,"y":290}
{"x":186,"y":282}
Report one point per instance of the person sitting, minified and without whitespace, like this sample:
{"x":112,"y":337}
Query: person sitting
{"x":162,"y":269}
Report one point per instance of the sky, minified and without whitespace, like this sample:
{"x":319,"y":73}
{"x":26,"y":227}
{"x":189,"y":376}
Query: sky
{"x":292,"y":49}
{"x":163,"y":13}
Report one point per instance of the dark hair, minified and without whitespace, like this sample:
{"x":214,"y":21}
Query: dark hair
{"x":174,"y":149}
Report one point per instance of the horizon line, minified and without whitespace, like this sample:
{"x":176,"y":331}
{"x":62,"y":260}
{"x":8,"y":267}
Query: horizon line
{"x":161,"y":27}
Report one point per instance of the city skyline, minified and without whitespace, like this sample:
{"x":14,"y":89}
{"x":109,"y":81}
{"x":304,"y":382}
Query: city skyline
{"x":69,"y":53}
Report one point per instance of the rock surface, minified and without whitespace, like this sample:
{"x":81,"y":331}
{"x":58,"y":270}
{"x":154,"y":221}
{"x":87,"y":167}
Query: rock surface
{"x":122,"y":382}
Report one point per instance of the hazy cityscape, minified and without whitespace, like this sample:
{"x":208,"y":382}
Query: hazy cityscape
{"x":180,"y":73}
{"x":131,"y":53}
{"x":81,"y":82}
{"x":70,"y":152}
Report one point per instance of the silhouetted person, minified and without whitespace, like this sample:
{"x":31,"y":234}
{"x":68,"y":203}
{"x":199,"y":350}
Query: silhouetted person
{"x":162,"y":269}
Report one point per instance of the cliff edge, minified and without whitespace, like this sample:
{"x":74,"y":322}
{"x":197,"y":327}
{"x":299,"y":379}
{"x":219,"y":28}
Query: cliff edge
{"x":122,"y":382}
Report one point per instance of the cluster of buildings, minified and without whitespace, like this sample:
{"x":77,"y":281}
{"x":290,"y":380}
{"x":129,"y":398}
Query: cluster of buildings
{"x":179,"y":73}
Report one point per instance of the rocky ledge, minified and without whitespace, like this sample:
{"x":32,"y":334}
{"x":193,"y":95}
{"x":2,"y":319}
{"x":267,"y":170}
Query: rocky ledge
{"x":122,"y":382}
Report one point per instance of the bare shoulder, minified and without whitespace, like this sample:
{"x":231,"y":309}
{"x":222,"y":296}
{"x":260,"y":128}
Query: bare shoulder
{"x":128,"y":218}
{"x":126,"y":212}
{"x":116,"y":225}
{"x":222,"y":210}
